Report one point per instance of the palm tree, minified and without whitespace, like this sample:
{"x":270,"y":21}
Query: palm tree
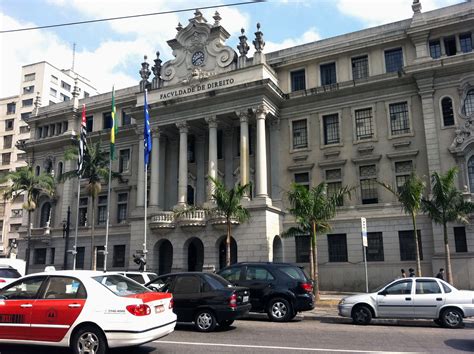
{"x":313,"y":209}
{"x":409,"y":195}
{"x":445,"y":205}
{"x":25,"y":181}
{"x":228,"y":204}
{"x":95,"y":169}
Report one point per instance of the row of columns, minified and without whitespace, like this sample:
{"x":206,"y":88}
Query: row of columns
{"x":261,"y":159}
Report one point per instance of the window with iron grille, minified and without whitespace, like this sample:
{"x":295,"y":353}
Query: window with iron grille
{"x":450,"y":46}
{"x":337,"y":248}
{"x":465,"y":39}
{"x":435,"y":49}
{"x":399,"y":120}
{"x":83,"y":211}
{"x":124,"y":160}
{"x":460,"y":239}
{"x":393,"y":60}
{"x":368,"y":184}
{"x":408,"y":245}
{"x":328,"y":74}
{"x":360,"y":67}
{"x":6,"y":158}
{"x":302,"y":248}
{"x":298,"y":80}
{"x":375,"y":247}
{"x":334,"y":183}
{"x":122,"y":201}
{"x":331,"y":129}
{"x":80,"y":257}
{"x":403,"y":170}
{"x":302,"y":179}
{"x":364,"y":124}
{"x":119,"y":256}
{"x":102,"y":210}
{"x":39,"y":256}
{"x":448,"y":112}
{"x":300,"y":134}
{"x":469,"y":103}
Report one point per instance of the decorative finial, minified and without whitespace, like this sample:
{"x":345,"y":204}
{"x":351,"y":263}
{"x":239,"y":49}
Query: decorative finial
{"x":156,"y":82}
{"x":258,"y":43}
{"x":76,"y":90}
{"x":243,"y":46}
{"x":198,"y":17}
{"x":180,"y":27}
{"x":217,"y":18}
{"x":144,"y":74}
{"x":416,"y":6}
{"x":37,"y":102}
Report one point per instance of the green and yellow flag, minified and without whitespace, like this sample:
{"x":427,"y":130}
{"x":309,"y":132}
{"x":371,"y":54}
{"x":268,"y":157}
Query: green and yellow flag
{"x":114,"y":128}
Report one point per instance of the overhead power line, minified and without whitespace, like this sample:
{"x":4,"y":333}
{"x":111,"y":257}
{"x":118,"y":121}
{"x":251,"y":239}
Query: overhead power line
{"x":129,"y":16}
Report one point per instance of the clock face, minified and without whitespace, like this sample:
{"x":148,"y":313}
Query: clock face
{"x":197,"y":58}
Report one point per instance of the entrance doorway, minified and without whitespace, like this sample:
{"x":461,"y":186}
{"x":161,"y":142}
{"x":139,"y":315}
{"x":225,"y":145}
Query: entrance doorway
{"x":165,"y":257}
{"x":195,"y":255}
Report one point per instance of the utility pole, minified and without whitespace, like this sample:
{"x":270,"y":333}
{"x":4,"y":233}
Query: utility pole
{"x":66,"y":235}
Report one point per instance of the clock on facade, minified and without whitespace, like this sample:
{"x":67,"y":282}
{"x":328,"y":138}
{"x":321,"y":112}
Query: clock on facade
{"x":197,"y":58}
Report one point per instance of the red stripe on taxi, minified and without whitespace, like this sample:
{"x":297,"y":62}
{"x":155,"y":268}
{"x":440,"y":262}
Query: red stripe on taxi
{"x":149,"y":297}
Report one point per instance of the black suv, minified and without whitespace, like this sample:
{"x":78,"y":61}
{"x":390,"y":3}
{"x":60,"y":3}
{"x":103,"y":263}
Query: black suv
{"x":203,"y":298}
{"x":280,"y":289}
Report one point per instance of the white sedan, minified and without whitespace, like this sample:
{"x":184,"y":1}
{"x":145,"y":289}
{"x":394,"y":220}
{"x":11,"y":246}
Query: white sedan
{"x":85,"y":310}
{"x":429,"y":298}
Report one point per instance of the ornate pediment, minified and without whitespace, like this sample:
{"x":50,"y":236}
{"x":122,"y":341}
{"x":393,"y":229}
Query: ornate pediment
{"x":200,"y":52}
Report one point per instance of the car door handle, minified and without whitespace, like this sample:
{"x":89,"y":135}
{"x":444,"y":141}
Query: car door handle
{"x":26,"y":305}
{"x":408,"y":298}
{"x":439,"y":299}
{"x":74,"y":305}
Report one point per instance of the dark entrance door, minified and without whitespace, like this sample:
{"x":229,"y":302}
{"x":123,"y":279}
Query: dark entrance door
{"x":165,"y":257}
{"x":195,"y":255}
{"x":223,"y":252}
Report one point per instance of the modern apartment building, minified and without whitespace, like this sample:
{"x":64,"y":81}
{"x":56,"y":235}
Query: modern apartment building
{"x":368,"y":106}
{"x":41,"y":84}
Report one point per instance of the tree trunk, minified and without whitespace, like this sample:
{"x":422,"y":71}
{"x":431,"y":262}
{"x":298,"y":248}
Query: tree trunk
{"x":449,"y":273}
{"x":315,"y":263}
{"x":417,"y":247}
{"x":28,"y":247}
{"x":93,"y":259}
{"x":227,"y":243}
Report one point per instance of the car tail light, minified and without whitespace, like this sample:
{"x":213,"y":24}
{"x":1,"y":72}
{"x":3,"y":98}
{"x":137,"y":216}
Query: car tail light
{"x":139,"y":310}
{"x":171,"y":305}
{"x":233,"y":300}
{"x":3,"y":281}
{"x":308,"y":287}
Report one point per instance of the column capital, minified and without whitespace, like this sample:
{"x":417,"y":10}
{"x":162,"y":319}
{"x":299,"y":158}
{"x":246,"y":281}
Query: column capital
{"x":183,"y":127}
{"x":261,"y":111}
{"x":211,"y":121}
{"x":245,"y":114}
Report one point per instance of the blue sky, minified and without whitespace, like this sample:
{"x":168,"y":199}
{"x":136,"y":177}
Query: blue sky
{"x":110,"y":53}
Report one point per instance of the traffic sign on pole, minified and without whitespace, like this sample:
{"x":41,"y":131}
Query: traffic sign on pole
{"x":363,"y":223}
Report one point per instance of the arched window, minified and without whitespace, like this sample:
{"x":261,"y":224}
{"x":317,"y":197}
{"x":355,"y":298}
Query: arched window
{"x":45,"y":213}
{"x":470,"y":172}
{"x":60,"y":170}
{"x":37,"y":171}
{"x":469,"y":103}
{"x":448,"y":112}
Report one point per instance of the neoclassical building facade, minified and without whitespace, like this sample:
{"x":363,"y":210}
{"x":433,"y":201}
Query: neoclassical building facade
{"x":368,"y":106}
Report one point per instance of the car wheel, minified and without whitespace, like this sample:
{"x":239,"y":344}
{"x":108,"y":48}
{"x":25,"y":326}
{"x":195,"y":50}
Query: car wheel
{"x":226,"y":323}
{"x":89,"y":340}
{"x":361,"y":315}
{"x":451,"y":318}
{"x":205,"y":321}
{"x":279,"y":310}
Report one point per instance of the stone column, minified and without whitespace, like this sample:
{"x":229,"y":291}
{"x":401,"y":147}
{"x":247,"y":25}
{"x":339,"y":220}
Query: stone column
{"x":212,"y":163}
{"x":228,"y":158}
{"x":244,"y":148}
{"x":200,"y":170}
{"x":261,"y":178}
{"x":443,"y":48}
{"x":155,"y":169}
{"x":141,"y":174}
{"x":275,"y":158}
{"x":458,"y":43}
{"x":183,"y":163}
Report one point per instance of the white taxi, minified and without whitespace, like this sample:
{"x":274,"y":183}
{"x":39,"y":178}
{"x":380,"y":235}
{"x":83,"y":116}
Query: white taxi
{"x":88,"y":311}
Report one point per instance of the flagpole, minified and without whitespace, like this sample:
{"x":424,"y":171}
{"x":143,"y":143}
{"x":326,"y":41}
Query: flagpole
{"x":74,"y":251}
{"x":145,"y":251}
{"x":108,"y":216}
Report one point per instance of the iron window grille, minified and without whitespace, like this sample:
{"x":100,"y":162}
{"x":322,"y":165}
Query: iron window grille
{"x":328,"y":74}
{"x":408,"y":246}
{"x":124,"y":160}
{"x":102,"y":210}
{"x":393,"y":60}
{"x":469,"y":103}
{"x":360,"y":67}
{"x":460,"y":239}
{"x":334,"y":183}
{"x":122,"y":207}
{"x":399,"y":120}
{"x":302,"y":248}
{"x":364,"y":124}
{"x":448,"y":112}
{"x":435,"y":49}
{"x":403,"y":170}
{"x":337,"y":247}
{"x":298,"y":80}
{"x":83,"y":211}
{"x":375,"y":247}
{"x":300,"y":134}
{"x":368,"y":184}
{"x":331,"y":129}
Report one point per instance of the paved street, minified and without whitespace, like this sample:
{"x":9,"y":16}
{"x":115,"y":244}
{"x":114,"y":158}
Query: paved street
{"x":257,"y":335}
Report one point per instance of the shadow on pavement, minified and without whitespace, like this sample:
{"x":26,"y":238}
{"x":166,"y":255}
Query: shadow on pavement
{"x":188,"y":327}
{"x":461,"y":344}
{"x":32,"y":349}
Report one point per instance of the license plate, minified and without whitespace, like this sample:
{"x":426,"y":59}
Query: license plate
{"x":245,"y":299}
{"x":159,"y":308}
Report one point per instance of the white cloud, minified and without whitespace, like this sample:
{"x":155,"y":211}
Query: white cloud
{"x":376,"y":12}
{"x":310,"y":35}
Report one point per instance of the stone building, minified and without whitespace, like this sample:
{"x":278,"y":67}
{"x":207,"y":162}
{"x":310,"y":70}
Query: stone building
{"x":367,"y":106}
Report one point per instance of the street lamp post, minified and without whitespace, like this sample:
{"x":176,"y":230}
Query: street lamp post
{"x":66,"y":225}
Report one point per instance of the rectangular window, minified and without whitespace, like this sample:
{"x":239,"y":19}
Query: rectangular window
{"x":298,"y":80}
{"x":331,"y":129}
{"x":9,"y":123}
{"x":53,"y":92}
{"x":360,"y":67}
{"x":364,"y":124}
{"x":126,"y":119}
{"x":11,"y":108}
{"x":119,"y":256}
{"x":460,"y":239}
{"x":100,"y":257}
{"x":39,"y":256}
{"x":64,"y":97}
{"x":83,"y":211}
{"x":450,"y":46}
{"x":368,"y":184}
{"x":15,"y":227}
{"x":25,"y":116}
{"x":393,"y":60}
{"x":122,"y":200}
{"x":300,"y":134}
{"x":408,"y":246}
{"x":102,"y":210}
{"x":6,"y":158}
{"x":302,"y":179}
{"x":80,"y":257}
{"x":65,"y":86}
{"x":29,"y":77}
{"x":52,"y":255}
{"x":302,"y":248}
{"x":107,"y":120}
{"x":403,"y":170}
{"x":435,"y":49}
{"x":7,"y":141}
{"x":334,"y":183}
{"x":54,"y":80}
{"x":399,"y":120}
{"x":375,"y":247}
{"x":337,"y":248}
{"x":89,"y":123}
{"x":465,"y":40}
{"x":124,"y":161}
{"x":328,"y":74}
{"x":28,"y":89}
{"x":24,"y":129}
{"x":27,"y":103}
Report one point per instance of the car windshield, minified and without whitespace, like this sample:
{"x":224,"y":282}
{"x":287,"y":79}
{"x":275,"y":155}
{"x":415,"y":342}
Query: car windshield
{"x":152,"y":276}
{"x":217,"y":282}
{"x":9,"y":273}
{"x":294,"y":272}
{"x":120,"y":285}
